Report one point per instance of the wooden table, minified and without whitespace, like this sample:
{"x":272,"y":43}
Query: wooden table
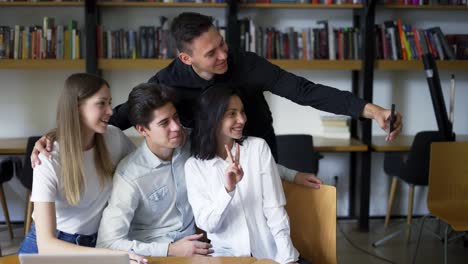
{"x":401,"y":143}
{"x":18,"y":145}
{"x":13,"y":146}
{"x":177,"y":260}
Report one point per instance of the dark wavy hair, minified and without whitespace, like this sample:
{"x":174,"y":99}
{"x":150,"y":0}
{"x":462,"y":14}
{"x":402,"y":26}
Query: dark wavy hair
{"x":144,"y":99}
{"x":211,"y":106}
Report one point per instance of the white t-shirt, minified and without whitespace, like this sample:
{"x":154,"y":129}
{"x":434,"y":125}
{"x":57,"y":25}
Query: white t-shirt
{"x":83,"y":218}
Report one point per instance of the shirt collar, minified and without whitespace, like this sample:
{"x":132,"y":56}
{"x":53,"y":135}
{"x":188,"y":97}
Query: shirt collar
{"x":151,"y":159}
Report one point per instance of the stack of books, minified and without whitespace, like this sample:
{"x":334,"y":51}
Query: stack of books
{"x":335,"y":126}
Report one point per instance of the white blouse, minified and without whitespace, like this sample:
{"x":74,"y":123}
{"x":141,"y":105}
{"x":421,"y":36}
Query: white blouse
{"x":251,"y":220}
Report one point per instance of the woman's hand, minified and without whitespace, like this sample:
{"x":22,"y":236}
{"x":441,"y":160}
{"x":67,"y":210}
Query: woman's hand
{"x":234,"y":172}
{"x":136,"y":259}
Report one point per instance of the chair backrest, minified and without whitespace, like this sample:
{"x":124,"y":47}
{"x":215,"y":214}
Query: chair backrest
{"x":6,"y":170}
{"x":26,"y":175}
{"x":416,"y":168}
{"x":447,"y":196}
{"x":297,"y":152}
{"x":312,"y":214}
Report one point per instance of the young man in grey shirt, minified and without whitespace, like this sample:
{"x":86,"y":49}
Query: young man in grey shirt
{"x":148,"y":212}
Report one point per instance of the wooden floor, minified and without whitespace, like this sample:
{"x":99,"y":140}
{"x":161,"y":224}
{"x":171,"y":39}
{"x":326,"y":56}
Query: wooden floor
{"x":396,"y":250}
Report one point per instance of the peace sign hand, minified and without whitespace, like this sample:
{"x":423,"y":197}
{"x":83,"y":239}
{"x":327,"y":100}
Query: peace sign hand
{"x":234,"y":172}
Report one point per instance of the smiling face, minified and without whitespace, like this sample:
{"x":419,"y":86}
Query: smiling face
{"x":164,"y":132}
{"x":95,"y":111}
{"x":207,"y":55}
{"x":233,"y":122}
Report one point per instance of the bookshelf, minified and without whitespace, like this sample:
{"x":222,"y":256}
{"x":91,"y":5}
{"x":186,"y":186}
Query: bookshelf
{"x":41,"y":4}
{"x":27,"y":12}
{"x":162,"y":5}
{"x":50,"y":64}
{"x":361,"y":70}
{"x":294,"y":6}
{"x":151,"y":64}
{"x":404,"y":83}
{"x":425,"y":7}
{"x":412,"y":65}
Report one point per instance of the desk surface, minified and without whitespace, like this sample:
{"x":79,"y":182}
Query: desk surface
{"x":18,"y":145}
{"x":176,"y":260}
{"x":13,"y":145}
{"x":401,"y":143}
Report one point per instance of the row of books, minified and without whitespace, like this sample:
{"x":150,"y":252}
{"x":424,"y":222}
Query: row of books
{"x":168,"y":1}
{"x":324,"y":2}
{"x":48,"y":41}
{"x":41,"y":0}
{"x":397,"y":41}
{"x":424,"y":2}
{"x":324,"y":42}
{"x":147,"y":42}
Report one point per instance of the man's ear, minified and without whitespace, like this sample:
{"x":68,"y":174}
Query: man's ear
{"x":185,"y":58}
{"x":141,"y":130}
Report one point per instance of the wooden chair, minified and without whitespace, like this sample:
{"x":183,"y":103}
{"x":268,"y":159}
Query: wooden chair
{"x":414,"y":172}
{"x":312,"y":214}
{"x":447,"y":196}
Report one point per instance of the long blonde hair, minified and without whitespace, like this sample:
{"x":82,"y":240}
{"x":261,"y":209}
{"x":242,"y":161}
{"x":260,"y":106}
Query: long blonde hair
{"x":78,"y":87}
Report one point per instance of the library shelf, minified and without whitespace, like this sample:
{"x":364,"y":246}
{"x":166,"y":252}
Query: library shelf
{"x":141,"y":64}
{"x":42,"y":4}
{"x":309,"y":6}
{"x":403,"y":65}
{"x":425,"y":7}
{"x":44,"y":64}
{"x":318,"y":64}
{"x":156,"y":4}
{"x":132,"y":64}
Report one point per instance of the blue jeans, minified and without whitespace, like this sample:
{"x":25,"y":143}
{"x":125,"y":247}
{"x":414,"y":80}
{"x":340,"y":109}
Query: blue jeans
{"x":29,"y":244}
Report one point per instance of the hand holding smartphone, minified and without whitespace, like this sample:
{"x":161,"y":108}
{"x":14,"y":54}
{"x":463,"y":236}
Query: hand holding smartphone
{"x":392,"y":120}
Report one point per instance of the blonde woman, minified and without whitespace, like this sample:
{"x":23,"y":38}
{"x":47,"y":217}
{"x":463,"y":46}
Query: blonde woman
{"x":71,"y":189}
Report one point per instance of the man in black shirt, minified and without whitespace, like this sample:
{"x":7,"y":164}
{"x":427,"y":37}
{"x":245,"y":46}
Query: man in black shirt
{"x":204,"y":60}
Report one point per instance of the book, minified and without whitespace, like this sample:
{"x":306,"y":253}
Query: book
{"x":443,"y":42}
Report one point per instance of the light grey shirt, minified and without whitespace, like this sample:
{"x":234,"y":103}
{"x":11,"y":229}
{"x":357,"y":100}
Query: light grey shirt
{"x":148,"y":208}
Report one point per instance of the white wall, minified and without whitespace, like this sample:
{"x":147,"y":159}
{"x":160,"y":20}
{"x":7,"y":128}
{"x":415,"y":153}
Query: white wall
{"x":28,"y":98}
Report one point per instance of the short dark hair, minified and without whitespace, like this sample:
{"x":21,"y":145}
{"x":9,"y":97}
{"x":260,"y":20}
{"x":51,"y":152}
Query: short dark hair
{"x":211,"y":106}
{"x":187,"y":26}
{"x":144,"y":99}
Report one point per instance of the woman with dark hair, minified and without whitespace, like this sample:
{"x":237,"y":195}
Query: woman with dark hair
{"x":237,"y":198}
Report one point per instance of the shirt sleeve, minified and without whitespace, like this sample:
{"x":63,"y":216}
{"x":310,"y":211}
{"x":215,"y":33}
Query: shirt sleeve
{"x":286,"y":173}
{"x":119,"y":117}
{"x":116,"y":220}
{"x":303,"y":91}
{"x":208,"y":210}
{"x":44,"y":187}
{"x":273,"y":207}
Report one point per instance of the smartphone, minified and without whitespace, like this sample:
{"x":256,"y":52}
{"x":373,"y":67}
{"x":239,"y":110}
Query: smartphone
{"x":392,"y":120}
